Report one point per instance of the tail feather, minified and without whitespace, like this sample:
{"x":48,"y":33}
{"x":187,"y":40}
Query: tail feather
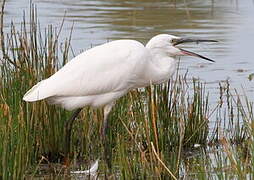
{"x":36,"y":93}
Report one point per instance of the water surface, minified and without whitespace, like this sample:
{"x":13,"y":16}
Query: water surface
{"x":97,"y":21}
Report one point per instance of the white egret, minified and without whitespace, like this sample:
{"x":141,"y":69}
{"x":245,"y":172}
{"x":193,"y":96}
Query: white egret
{"x":101,"y":75}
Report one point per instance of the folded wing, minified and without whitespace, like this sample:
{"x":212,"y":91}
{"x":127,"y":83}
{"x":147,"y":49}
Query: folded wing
{"x":106,"y":68}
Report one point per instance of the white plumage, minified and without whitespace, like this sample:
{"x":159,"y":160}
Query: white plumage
{"x":101,"y":75}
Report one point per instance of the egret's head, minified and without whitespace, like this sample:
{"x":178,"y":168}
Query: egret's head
{"x":166,"y":43}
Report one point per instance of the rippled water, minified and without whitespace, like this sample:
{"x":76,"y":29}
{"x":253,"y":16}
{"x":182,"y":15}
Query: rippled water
{"x":96,"y":21}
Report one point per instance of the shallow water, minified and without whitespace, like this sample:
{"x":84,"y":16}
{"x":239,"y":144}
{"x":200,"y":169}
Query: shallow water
{"x":96,"y":22}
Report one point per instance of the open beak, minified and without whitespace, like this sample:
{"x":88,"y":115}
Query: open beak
{"x":189,"y":53}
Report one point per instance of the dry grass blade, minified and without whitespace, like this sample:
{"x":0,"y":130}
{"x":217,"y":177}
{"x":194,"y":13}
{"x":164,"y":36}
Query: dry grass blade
{"x":151,"y":128}
{"x":162,"y":163}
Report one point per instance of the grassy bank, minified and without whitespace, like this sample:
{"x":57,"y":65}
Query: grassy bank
{"x":153,"y":131}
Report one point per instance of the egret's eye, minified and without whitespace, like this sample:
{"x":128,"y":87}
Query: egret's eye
{"x":173,"y":41}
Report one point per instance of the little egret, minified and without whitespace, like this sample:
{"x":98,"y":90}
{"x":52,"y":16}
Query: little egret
{"x":103,"y":74}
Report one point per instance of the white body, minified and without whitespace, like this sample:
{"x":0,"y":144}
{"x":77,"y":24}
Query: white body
{"x":101,"y":75}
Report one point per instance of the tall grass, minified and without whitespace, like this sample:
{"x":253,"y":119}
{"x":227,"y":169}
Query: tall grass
{"x":229,"y":154}
{"x":28,"y":131}
{"x":150,"y":129}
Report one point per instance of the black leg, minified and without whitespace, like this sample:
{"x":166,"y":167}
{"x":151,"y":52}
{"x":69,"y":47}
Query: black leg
{"x":68,"y":128}
{"x":105,"y":139}
{"x":104,"y":127}
{"x":106,"y":144}
{"x":106,"y":112}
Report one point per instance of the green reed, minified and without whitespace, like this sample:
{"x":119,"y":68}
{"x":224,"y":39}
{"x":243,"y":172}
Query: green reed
{"x":28,"y":131}
{"x":150,"y":128}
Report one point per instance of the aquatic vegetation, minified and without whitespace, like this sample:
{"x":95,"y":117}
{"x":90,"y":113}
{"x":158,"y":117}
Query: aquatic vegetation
{"x":159,"y":131}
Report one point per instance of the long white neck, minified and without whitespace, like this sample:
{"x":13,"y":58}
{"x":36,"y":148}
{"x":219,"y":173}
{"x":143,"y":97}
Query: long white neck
{"x":160,"y":67}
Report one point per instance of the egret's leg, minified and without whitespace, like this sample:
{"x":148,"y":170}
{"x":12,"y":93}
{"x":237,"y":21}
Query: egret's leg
{"x":68,"y":127}
{"x":105,"y":140}
{"x":106,"y":110}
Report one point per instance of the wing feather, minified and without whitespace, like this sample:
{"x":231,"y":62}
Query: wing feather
{"x":106,"y":68}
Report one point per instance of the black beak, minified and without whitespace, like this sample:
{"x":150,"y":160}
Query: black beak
{"x":189,"y":53}
{"x":189,"y":40}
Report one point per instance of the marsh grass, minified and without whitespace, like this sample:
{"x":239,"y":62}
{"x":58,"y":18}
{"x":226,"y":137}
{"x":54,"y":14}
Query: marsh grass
{"x":28,"y":131}
{"x":151,"y":129}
